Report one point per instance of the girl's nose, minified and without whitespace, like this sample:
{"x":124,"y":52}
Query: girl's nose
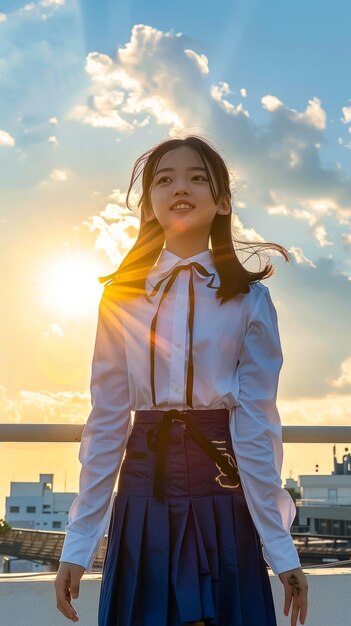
{"x":180,"y":189}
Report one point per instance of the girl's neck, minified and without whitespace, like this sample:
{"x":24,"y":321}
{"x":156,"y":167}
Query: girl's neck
{"x":185,"y":248}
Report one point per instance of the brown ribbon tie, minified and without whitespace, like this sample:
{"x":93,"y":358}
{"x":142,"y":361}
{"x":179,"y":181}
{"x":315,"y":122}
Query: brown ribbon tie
{"x":153,"y":337}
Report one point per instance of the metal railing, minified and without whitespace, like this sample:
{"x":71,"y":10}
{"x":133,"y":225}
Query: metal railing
{"x":340,"y":501}
{"x":47,"y":433}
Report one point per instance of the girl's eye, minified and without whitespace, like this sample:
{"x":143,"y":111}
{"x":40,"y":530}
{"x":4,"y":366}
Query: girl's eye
{"x":160,"y":180}
{"x":164,"y":178}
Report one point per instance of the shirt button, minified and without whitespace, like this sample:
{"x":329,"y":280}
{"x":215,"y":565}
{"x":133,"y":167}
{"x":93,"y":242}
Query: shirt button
{"x":178,"y":344}
{"x":182,"y":305}
{"x":176,"y":387}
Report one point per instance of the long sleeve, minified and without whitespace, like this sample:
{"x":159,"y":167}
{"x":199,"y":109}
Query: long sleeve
{"x":103,"y":440}
{"x":257,"y":436}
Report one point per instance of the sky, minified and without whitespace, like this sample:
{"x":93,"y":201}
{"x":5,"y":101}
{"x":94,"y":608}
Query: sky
{"x":86,"y":87}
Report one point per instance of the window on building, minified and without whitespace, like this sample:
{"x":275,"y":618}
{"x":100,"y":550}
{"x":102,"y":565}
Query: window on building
{"x":31,"y":509}
{"x":56,"y":524}
{"x":14,"y":509}
{"x":46,"y":508}
{"x":332,"y":495}
{"x":329,"y":526}
{"x":323,"y":527}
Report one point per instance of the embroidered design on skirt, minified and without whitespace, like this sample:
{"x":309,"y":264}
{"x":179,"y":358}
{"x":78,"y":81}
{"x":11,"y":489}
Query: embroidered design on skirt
{"x":222,"y":478}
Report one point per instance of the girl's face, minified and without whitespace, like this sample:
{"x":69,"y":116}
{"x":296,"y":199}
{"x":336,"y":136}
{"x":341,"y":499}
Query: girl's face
{"x":180,"y":194}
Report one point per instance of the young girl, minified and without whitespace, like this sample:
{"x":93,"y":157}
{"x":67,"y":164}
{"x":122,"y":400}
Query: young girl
{"x":187,"y":338}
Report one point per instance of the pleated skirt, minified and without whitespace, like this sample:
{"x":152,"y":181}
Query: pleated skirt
{"x":196,"y":555}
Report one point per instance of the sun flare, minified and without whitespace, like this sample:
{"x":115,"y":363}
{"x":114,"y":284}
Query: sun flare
{"x":69,"y":285}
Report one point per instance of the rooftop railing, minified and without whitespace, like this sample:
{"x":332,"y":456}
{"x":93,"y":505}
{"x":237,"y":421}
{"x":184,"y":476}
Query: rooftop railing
{"x":340,"y":501}
{"x":72,"y":433}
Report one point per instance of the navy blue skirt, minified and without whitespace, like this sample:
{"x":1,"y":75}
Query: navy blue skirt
{"x":192,"y":555}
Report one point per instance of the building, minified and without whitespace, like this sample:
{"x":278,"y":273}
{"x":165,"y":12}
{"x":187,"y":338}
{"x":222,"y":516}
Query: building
{"x":36,"y":506}
{"x":325,"y":503}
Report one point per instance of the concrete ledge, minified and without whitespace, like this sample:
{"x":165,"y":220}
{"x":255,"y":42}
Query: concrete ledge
{"x":29,"y":599}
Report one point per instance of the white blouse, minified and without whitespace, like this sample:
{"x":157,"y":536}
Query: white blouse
{"x":237,"y":358}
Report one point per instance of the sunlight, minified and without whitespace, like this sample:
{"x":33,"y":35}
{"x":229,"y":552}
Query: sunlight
{"x":69,"y":285}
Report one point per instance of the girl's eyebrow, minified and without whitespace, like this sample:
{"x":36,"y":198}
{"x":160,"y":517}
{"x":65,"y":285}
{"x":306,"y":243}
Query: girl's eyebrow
{"x":171,"y":169}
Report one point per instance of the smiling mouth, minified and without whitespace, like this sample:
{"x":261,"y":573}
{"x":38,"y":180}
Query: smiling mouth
{"x":182,"y":206}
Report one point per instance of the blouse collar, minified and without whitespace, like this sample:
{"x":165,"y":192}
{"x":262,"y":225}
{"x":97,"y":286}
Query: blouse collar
{"x":168,"y":260}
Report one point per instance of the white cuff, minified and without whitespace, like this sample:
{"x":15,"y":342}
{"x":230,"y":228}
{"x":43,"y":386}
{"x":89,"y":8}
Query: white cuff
{"x":281,"y":555}
{"x":80,"y":550}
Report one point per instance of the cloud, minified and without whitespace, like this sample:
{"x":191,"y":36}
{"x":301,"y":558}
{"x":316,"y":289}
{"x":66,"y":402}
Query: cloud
{"x":313,"y":309}
{"x":200,"y":59}
{"x":299,"y":256}
{"x":58,"y":175}
{"x":121,"y":92}
{"x":3,"y":17}
{"x":149,"y":82}
{"x":327,"y":410}
{"x":37,"y":6}
{"x":344,"y":379}
{"x":346,"y":119}
{"x":312,"y":211}
{"x":104,"y":116}
{"x":218,"y":92}
{"x":271,"y":103}
{"x":44,"y":407}
{"x":320,"y":234}
{"x":243,"y":233}
{"x":41,"y":75}
{"x":50,"y":3}
{"x":243,"y":92}
{"x":116,"y":228}
{"x":54,"y":176}
{"x":29,"y":6}
{"x":313,"y":115}
{"x":6,"y":139}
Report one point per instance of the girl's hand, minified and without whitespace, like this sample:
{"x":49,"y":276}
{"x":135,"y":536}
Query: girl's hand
{"x":296,"y":587}
{"x":67,"y":587}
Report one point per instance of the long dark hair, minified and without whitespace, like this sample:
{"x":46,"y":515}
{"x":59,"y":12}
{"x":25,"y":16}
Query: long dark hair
{"x":129,"y":279}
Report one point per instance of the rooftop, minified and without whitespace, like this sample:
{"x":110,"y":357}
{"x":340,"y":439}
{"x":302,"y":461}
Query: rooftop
{"x":29,"y":599}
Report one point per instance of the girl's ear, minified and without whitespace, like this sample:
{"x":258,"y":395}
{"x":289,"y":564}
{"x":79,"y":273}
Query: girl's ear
{"x":148,"y":213}
{"x":224,"y":206}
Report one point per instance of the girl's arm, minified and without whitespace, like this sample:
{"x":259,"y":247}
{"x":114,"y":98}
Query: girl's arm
{"x":257,"y":435}
{"x":103,"y":440}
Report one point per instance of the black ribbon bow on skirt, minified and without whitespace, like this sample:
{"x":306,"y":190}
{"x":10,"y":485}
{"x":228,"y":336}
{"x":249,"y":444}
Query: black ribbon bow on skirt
{"x":158,"y":441}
